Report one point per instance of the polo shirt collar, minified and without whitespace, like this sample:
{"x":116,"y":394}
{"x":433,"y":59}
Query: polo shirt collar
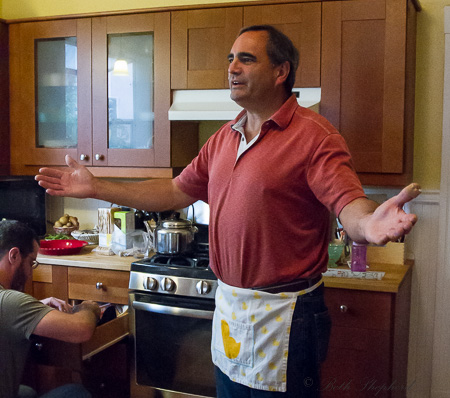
{"x":281,"y":117}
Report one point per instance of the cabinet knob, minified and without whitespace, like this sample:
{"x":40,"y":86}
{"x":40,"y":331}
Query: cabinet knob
{"x":99,"y":156}
{"x":99,"y":285}
{"x":39,"y":346}
{"x":343,"y":308}
{"x":84,"y":157}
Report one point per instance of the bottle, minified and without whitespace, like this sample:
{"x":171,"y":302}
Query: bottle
{"x":358,"y":263}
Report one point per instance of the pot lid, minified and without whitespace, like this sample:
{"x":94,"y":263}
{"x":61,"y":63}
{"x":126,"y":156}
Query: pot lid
{"x":176,"y":222}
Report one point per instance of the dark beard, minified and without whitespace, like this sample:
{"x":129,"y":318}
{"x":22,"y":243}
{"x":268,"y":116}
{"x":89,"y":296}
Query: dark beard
{"x":19,"y":279}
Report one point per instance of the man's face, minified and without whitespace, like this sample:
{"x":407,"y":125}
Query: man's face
{"x":251,"y":75}
{"x":24,"y":270}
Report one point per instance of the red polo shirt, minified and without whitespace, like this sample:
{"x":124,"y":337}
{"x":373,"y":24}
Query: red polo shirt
{"x":269,"y":210}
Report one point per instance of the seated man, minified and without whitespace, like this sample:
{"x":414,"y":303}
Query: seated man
{"x":22,"y":315}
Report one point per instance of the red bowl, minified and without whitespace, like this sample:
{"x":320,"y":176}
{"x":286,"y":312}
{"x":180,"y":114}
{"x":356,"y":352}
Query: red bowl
{"x":61,"y":247}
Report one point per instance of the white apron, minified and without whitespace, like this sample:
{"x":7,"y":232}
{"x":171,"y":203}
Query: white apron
{"x":251,"y":335}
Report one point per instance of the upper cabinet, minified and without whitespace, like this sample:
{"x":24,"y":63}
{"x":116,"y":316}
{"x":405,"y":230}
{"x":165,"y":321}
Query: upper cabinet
{"x":367,"y":80}
{"x":202,"y":39}
{"x":301,"y":22}
{"x":131,"y":100}
{"x":97,"y":89}
{"x":4,"y":101}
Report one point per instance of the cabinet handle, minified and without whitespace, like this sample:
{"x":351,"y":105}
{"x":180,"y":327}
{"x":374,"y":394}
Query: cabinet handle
{"x":99,"y":285}
{"x":84,"y":157}
{"x":98,"y":156}
{"x":343,"y":308}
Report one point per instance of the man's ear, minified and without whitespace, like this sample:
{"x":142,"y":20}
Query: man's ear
{"x":283,"y":72}
{"x":14,"y":255}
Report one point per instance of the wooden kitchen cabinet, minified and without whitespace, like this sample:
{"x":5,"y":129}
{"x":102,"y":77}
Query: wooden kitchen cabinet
{"x":24,"y":38}
{"x":49,"y":281}
{"x":368,"y":351}
{"x":89,"y":118}
{"x":4,"y":101}
{"x":367,"y":80}
{"x":200,"y":43}
{"x":148,"y":81}
{"x":202,"y":39}
{"x":360,"y":52}
{"x":103,"y":286}
{"x":301,"y":22}
{"x":101,"y":363}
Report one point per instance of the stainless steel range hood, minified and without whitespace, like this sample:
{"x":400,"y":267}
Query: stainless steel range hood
{"x":217,"y":104}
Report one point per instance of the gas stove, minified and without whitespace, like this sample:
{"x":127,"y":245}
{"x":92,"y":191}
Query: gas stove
{"x":187,"y":275}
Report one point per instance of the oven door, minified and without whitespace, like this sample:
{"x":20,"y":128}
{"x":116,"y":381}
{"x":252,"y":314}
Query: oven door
{"x":172,"y":337}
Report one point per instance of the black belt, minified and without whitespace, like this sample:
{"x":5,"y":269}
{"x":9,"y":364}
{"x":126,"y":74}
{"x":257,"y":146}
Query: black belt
{"x":294,"y":286}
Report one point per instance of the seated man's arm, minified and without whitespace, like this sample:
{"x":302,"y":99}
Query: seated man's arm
{"x":75,"y":327}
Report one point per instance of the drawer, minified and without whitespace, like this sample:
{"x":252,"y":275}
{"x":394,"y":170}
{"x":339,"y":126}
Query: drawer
{"x":43,"y":273}
{"x":98,"y":285}
{"x":46,"y":351}
{"x":359,"y":309}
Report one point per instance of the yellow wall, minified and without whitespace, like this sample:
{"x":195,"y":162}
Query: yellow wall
{"x":429,"y":93}
{"x":13,"y":9}
{"x":429,"y":77}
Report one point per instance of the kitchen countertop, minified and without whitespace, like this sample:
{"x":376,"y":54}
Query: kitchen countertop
{"x":395,"y":273}
{"x":87,"y":258}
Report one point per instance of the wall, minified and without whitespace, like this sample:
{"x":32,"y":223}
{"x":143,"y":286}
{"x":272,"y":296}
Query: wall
{"x":12,"y":9}
{"x":429,"y":93}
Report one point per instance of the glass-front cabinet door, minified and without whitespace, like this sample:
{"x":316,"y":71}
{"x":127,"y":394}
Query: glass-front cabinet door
{"x":50,"y":67}
{"x":131,"y":90}
{"x":97,"y":89}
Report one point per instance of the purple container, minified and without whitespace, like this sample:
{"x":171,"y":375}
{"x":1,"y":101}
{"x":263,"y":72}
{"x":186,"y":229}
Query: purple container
{"x":358,"y":263}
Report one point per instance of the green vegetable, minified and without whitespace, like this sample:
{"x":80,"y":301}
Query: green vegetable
{"x":57,"y":236}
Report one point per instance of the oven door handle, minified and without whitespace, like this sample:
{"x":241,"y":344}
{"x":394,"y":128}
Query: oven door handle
{"x":165,"y":309}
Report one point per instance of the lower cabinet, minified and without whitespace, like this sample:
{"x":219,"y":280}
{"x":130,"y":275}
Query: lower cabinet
{"x":102,"y":363}
{"x":368,"y":351}
{"x":367,"y":356}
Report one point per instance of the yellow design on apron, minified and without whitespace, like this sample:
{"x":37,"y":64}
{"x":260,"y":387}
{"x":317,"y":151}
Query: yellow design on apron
{"x":251,"y":335}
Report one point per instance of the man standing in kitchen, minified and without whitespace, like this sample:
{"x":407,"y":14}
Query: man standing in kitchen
{"x":271,"y":177}
{"x":22,"y":315}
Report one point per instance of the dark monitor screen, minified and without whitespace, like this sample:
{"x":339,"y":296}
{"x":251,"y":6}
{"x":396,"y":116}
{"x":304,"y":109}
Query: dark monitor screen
{"x":22,"y":199}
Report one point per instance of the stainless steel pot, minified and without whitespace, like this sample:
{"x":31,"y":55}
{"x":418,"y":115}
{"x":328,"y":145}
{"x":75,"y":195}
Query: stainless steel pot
{"x":174,"y":235}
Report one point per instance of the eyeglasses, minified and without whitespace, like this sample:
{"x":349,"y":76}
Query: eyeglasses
{"x":34,"y":264}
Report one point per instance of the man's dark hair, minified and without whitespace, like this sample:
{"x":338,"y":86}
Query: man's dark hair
{"x":279,"y":49}
{"x":16,"y":234}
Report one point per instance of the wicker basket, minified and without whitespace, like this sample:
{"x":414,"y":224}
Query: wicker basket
{"x":65,"y":230}
{"x":88,"y":235}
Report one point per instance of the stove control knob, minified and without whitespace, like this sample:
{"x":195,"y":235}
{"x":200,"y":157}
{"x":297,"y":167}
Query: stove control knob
{"x":167,"y":284}
{"x":203,"y":287}
{"x":150,"y":283}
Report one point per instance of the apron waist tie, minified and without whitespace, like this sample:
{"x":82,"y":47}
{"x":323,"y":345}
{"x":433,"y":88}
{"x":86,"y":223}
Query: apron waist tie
{"x":298,"y":285}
